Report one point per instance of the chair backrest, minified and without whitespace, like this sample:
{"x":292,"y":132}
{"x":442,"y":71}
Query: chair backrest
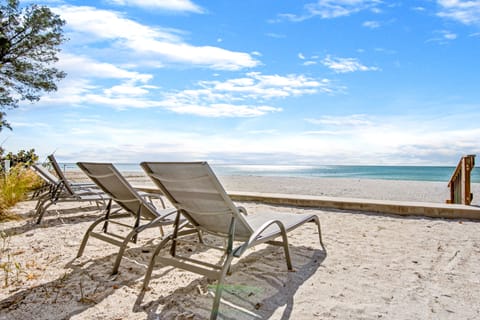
{"x":60,"y":174}
{"x":46,"y":175}
{"x":193,"y":188}
{"x":107,"y":178}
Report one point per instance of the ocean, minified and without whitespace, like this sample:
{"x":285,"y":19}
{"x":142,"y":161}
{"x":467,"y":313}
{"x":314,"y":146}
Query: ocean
{"x":415,"y":173}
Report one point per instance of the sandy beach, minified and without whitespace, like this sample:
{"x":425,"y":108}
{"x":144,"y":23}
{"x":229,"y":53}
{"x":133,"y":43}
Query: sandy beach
{"x":376,"y":266}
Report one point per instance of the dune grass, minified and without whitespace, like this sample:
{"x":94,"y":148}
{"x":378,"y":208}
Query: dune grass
{"x":14,"y":187}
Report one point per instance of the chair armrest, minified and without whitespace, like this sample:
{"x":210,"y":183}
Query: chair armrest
{"x":242,"y":210}
{"x":239,"y":251}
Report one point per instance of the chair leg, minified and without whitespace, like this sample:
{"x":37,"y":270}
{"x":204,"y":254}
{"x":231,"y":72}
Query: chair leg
{"x":285,"y":248}
{"x":41,"y":200}
{"x":200,"y":237}
{"x":42,"y":209}
{"x":162,"y":233}
{"x":220,"y":287}
{"x":127,"y":239}
{"x":317,"y":222}
{"x":148,"y":274}
{"x":87,"y":235}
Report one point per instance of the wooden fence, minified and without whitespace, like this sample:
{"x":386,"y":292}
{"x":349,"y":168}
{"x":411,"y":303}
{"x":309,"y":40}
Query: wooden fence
{"x":459,"y":183}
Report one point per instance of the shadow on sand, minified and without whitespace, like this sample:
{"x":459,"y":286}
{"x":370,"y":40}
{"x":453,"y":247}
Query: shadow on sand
{"x":259,"y":286}
{"x":54,"y":218}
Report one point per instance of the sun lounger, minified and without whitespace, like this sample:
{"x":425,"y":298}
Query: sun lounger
{"x":136,"y":205}
{"x":52,"y":182}
{"x":198,"y":195}
{"x":59,"y":189}
{"x":61,"y":175}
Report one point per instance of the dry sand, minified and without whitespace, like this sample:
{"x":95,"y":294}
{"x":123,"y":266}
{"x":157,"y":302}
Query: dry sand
{"x":376,"y":266}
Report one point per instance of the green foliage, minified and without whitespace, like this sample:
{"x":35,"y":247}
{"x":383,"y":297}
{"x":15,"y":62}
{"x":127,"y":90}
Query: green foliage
{"x":29,"y":42}
{"x":26,"y":158}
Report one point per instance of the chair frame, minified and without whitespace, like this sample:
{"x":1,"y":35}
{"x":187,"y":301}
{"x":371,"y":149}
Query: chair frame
{"x":219,"y":271}
{"x":50,"y":182}
{"x":159,"y":218}
{"x":61,"y":190}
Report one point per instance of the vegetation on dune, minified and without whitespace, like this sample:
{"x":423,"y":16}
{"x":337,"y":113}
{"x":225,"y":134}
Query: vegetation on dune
{"x":18,"y":181}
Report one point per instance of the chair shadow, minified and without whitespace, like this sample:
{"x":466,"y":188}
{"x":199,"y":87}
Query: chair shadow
{"x":258,"y":286}
{"x":54,"y":218}
{"x":86,"y":285}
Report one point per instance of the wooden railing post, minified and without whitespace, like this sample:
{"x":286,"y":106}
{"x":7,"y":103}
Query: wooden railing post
{"x":459,"y":184}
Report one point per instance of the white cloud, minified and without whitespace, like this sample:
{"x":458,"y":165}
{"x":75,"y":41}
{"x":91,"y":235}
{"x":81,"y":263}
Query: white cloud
{"x":466,"y":12}
{"x":262,"y":132}
{"x":450,"y":36}
{"x":371,"y":24}
{"x":258,"y":86}
{"x":237,"y":97}
{"x":344,"y":65}
{"x":328,"y":9}
{"x":419,"y":9}
{"x":392,"y":138}
{"x":301,"y":56}
{"x":104,"y":24}
{"x":443,"y":37}
{"x":345,"y":121}
{"x":163,"y":44}
{"x":28,"y":124}
{"x":220,"y":110}
{"x":385,"y":51}
{"x":343,"y":139}
{"x":127,"y":89}
{"x":170,"y":5}
{"x":387,"y":139}
{"x":84,"y":84}
{"x":241,"y":97}
{"x":275,"y":35}
{"x":81,"y":66}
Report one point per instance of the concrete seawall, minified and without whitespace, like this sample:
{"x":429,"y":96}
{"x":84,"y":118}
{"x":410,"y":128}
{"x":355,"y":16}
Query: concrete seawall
{"x":404,"y":208}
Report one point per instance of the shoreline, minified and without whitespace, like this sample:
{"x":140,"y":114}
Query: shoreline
{"x":359,"y":188}
{"x":381,"y":172}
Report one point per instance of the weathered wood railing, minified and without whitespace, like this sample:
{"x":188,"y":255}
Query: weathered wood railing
{"x":459,"y":183}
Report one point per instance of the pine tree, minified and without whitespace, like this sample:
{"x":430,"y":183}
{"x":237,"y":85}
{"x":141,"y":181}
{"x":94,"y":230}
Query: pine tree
{"x":30,"y":39}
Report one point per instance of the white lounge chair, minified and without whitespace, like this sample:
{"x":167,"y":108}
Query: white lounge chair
{"x":136,"y":205}
{"x":59,"y":189}
{"x":196,"y":192}
{"x":51,"y":182}
{"x":61,"y":176}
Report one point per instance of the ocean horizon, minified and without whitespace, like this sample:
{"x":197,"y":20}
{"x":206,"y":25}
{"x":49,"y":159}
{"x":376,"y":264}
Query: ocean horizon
{"x":384,"y":172}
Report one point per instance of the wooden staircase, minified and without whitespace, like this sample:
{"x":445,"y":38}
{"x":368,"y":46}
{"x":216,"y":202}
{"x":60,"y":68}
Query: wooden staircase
{"x":459,"y":183}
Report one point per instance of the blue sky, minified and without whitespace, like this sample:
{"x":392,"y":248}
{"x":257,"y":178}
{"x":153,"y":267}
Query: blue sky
{"x":261,"y":82}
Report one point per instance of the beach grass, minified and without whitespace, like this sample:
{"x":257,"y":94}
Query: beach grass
{"x":14,"y":187}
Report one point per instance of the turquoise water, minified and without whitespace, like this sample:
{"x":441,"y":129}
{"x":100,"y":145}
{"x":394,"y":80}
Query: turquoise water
{"x":416,"y":173}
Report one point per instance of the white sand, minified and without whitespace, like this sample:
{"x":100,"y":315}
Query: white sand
{"x":376,"y":267}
